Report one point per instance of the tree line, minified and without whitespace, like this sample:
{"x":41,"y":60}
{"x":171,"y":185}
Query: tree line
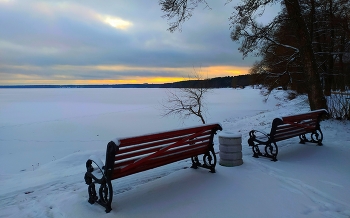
{"x":240,"y":81}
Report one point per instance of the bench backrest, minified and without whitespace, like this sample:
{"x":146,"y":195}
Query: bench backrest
{"x":295,"y":125}
{"x":127,"y":156}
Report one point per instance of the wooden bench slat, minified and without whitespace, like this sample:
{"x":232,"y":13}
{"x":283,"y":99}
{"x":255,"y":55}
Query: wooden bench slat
{"x":312,"y":114}
{"x":282,"y":137}
{"x":285,"y":128}
{"x":300,"y":125}
{"x":123,"y":155}
{"x":295,"y":128}
{"x":299,"y":118}
{"x":200,"y":148}
{"x":169,"y":157}
{"x":118,"y":173}
{"x":287,"y":136}
{"x":122,"y":162}
{"x":158,"y":143}
{"x":140,"y":146}
{"x":159,"y":152}
{"x":304,"y":123}
{"x":290,"y":129}
{"x":124,"y":142}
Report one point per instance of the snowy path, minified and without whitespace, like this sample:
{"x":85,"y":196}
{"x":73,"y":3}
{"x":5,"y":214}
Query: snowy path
{"x":285,"y":188}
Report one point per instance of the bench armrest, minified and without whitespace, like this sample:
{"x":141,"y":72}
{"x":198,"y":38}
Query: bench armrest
{"x":91,"y":172}
{"x":261,"y":137}
{"x":97,"y":161}
{"x":252,"y":133}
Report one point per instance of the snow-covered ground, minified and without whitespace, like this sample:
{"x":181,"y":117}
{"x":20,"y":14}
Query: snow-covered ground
{"x":46,"y":136}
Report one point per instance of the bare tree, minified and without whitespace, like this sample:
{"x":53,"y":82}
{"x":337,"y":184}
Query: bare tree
{"x":187,"y":101}
{"x":180,"y":10}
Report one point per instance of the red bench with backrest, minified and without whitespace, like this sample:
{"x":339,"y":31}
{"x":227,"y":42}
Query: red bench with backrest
{"x":128,"y":156}
{"x":285,"y":128}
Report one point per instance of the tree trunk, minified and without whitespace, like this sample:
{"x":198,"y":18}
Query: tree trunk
{"x":314,"y":89}
{"x":341,"y":83}
{"x":331,"y":49}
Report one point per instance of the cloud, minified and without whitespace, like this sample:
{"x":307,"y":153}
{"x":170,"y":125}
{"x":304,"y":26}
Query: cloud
{"x":112,"y":39}
{"x":115,"y":22}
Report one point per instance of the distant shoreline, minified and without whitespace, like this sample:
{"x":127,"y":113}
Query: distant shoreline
{"x":218,"y":82}
{"x":84,"y":86}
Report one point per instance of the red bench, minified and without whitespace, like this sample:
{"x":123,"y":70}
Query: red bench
{"x":128,"y":156}
{"x":285,"y":128}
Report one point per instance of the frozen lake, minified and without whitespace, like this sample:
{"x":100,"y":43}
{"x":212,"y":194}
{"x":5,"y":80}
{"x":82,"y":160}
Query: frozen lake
{"x":53,"y":123}
{"x":46,"y":136}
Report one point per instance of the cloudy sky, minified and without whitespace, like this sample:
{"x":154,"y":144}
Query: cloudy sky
{"x":112,"y":42}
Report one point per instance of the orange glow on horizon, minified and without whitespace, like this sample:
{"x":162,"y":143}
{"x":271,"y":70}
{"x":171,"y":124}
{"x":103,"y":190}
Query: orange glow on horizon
{"x":61,"y":78}
{"x":155,"y":80}
{"x":138,"y":80}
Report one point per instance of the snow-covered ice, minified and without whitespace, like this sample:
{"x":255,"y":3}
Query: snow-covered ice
{"x":46,"y":136}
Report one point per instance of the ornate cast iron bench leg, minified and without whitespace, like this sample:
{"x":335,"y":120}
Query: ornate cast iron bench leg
{"x":317,"y":137}
{"x":105,"y":191}
{"x":271,"y":150}
{"x":256,"y":151}
{"x":195,"y":162}
{"x":209,"y":161}
{"x":254,"y":145}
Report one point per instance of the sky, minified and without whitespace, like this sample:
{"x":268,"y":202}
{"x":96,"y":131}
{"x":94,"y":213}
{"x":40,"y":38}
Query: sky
{"x":113,"y":42}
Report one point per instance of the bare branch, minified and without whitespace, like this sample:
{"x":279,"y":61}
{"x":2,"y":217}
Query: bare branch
{"x":179,"y":10}
{"x":184,"y":102}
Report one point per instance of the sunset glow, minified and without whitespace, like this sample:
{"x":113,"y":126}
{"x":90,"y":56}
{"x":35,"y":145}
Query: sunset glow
{"x":162,"y":75}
